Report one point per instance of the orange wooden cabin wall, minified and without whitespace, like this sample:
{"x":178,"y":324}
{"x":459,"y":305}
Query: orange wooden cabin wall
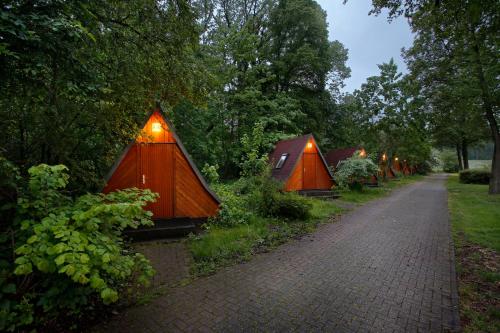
{"x":191,"y":198}
{"x":319,"y":178}
{"x":168,"y":172}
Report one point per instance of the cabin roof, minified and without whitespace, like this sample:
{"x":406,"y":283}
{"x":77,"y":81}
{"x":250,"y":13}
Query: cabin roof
{"x":171,"y":128}
{"x":333,"y":157}
{"x":294,"y":147}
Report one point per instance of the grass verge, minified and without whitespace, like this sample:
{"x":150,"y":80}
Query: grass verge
{"x":475,"y":217}
{"x":372,"y":193}
{"x":221,"y":246}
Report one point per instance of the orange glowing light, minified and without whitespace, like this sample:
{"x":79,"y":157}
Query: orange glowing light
{"x":156,"y":127}
{"x":384,"y":157}
{"x":309,"y":145}
{"x":362,"y":153}
{"x":396,"y":159}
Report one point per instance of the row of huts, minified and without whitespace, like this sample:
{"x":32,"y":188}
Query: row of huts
{"x":157,"y":160}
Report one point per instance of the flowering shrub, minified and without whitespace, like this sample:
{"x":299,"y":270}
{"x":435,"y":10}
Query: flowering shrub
{"x":352,"y":172}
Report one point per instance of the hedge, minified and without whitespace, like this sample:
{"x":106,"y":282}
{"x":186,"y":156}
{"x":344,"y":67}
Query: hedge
{"x":475,"y":176}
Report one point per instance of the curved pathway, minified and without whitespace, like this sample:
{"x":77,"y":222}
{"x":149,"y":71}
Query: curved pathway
{"x":387,"y":266}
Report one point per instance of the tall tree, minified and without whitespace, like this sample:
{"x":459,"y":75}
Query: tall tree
{"x":77,"y":77}
{"x":468,"y":31}
{"x":267,"y":67}
{"x":392,"y":117}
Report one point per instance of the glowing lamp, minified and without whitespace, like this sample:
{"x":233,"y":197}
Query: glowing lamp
{"x":396,"y":159}
{"x":156,"y":127}
{"x":362,"y":153}
{"x":384,"y":157}
{"x":309,"y":145}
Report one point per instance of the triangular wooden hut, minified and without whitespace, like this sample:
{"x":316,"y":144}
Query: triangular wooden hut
{"x":158,"y":161}
{"x":385,"y":170}
{"x":299,"y":164}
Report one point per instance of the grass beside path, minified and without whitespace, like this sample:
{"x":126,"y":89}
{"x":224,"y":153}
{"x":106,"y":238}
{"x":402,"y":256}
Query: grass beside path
{"x":475,"y":220}
{"x":372,"y":193}
{"x":222,"y":246}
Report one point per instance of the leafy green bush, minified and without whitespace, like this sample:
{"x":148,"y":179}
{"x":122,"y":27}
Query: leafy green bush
{"x":269,"y":201}
{"x":475,"y":176}
{"x":253,"y":160}
{"x":233,"y":209}
{"x":449,"y":161}
{"x":61,"y":256}
{"x":210,"y":172}
{"x":353,"y":172}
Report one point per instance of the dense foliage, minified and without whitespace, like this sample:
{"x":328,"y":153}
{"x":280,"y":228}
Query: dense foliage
{"x":449,"y":161}
{"x":353,"y":172}
{"x":62,"y":256}
{"x":261,"y":196}
{"x":387,"y":116}
{"x":475,"y":176}
{"x":77,"y":77}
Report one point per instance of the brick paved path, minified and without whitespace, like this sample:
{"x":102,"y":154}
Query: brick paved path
{"x":387,"y":266}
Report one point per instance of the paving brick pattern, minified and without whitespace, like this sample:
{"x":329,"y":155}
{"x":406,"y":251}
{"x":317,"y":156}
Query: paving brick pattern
{"x":385,"y":267}
{"x":170,"y":259}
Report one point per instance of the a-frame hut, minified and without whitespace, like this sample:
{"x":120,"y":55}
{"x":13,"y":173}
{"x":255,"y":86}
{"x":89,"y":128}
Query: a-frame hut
{"x":158,"y":161}
{"x":385,"y":170}
{"x":299,"y":164}
{"x":406,"y":168}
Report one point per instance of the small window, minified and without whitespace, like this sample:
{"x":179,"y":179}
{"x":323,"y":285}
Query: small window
{"x":281,"y":161}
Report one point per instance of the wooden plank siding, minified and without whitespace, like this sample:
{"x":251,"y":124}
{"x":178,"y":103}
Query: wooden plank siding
{"x":191,"y":199}
{"x":296,"y":180}
{"x":157,"y":174}
{"x":126,"y":174}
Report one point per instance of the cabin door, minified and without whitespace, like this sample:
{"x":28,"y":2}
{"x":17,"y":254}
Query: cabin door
{"x":309,"y":171}
{"x":156,"y":163}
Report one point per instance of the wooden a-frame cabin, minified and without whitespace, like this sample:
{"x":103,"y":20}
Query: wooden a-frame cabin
{"x":158,"y":161}
{"x":299,"y":164}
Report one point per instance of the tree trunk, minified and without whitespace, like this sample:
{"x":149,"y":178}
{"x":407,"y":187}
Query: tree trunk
{"x":465,"y":154}
{"x":490,"y":117}
{"x":459,"y":157}
{"x":495,"y":168}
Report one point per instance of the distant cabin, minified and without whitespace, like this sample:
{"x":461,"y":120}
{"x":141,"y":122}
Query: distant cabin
{"x":406,"y":169}
{"x":335,"y":156}
{"x":158,"y":161}
{"x":385,"y":170}
{"x":299,"y":164}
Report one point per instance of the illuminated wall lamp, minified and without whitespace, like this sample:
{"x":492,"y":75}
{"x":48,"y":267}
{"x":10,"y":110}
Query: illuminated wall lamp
{"x":156,"y":127}
{"x":309,"y":145}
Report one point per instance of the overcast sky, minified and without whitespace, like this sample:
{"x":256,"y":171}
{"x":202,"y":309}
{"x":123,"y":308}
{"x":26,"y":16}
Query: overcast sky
{"x":371,"y":40}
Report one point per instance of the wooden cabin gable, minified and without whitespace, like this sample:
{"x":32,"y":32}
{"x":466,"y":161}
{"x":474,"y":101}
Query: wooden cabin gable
{"x":156,"y":130}
{"x":156,"y":160}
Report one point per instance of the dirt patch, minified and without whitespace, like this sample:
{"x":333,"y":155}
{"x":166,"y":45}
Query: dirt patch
{"x":479,"y":288}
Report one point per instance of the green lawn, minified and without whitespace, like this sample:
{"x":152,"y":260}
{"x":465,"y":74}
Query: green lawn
{"x":480,"y":164}
{"x":475,"y":220}
{"x":371,"y":193}
{"x":474,"y":213}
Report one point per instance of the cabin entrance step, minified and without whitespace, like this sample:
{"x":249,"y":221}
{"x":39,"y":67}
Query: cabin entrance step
{"x":320,"y":194}
{"x":166,"y":228}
